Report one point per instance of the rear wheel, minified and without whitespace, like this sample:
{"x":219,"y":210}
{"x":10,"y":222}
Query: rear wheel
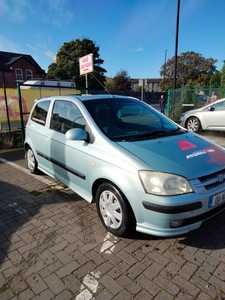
{"x":114,"y":211}
{"x":31,"y":161}
{"x":193,"y":124}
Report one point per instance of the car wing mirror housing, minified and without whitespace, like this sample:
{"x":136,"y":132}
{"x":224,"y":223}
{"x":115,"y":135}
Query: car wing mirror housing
{"x":76,"y":134}
{"x":211,"y":108}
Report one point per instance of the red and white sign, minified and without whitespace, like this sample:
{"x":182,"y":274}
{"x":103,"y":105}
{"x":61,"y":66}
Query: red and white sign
{"x":86,"y":64}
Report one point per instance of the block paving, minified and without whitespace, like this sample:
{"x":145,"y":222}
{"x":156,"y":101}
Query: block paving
{"x":53,"y":246}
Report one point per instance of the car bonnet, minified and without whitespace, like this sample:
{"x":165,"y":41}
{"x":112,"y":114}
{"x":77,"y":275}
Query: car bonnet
{"x":187,"y":155}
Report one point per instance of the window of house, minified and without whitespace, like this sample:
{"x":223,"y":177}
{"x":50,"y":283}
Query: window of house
{"x":29,"y":74}
{"x":19,"y":74}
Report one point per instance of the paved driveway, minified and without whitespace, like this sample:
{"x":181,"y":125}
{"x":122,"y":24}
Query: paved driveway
{"x":53,"y":246}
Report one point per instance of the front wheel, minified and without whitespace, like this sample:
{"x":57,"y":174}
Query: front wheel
{"x":114,"y":211}
{"x":193,"y":124}
{"x":31,"y":161}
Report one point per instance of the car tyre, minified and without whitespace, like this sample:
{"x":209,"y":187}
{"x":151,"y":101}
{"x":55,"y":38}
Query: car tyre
{"x":114,"y":210}
{"x":193,"y":124}
{"x":31,"y":161}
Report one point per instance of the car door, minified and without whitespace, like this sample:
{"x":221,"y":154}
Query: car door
{"x":36,"y":131}
{"x":68,"y":158}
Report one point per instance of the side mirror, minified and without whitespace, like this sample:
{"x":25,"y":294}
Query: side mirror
{"x":211,"y":108}
{"x":76,"y":134}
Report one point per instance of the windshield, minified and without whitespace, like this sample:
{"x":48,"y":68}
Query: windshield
{"x":127,"y":119}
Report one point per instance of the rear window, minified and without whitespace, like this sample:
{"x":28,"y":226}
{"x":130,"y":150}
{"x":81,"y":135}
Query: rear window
{"x":40,"y":112}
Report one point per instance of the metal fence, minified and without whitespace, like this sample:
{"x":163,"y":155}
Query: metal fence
{"x":15,"y":106}
{"x":148,"y":97}
{"x":182,"y":100}
{"x":16,"y":103}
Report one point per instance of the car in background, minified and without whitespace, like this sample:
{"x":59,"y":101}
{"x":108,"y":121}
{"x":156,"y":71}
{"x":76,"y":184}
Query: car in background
{"x":142,"y":170}
{"x":201,"y":98}
{"x":209,"y":117}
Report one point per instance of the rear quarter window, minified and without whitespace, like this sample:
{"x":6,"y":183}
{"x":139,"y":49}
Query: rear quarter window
{"x":40,"y":112}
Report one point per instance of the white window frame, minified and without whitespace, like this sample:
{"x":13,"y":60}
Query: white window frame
{"x":19,"y":74}
{"x":29,"y":74}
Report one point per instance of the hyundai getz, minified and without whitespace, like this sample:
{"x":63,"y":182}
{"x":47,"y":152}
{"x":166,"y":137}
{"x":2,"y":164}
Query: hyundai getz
{"x":142,"y":170}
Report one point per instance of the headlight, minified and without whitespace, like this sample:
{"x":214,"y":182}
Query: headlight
{"x":158,"y":183}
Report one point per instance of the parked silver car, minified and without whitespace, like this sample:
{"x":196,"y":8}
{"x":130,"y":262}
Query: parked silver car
{"x":209,"y":117}
{"x":142,"y":170}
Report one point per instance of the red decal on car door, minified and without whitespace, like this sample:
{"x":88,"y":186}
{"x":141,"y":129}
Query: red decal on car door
{"x":185,"y":145}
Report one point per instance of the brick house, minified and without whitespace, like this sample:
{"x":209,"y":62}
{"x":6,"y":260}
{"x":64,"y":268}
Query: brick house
{"x":17,"y":68}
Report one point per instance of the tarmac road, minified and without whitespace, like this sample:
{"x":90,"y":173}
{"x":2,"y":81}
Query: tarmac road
{"x":53,"y":246}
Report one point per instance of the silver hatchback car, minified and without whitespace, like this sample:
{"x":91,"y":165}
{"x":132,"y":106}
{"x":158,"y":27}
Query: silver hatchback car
{"x":142,"y":170}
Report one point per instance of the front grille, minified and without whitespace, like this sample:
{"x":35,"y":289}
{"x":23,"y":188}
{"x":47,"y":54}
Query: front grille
{"x":213,"y":181}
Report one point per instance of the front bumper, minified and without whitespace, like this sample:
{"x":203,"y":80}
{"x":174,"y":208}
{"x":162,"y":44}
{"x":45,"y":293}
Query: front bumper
{"x":173,"y":216}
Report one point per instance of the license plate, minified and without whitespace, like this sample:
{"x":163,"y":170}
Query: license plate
{"x":217,"y":199}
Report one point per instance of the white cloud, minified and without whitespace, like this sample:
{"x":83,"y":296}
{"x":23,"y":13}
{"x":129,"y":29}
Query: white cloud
{"x":31,"y":47}
{"x":60,"y":13}
{"x":18,"y":11}
{"x":4,"y":8}
{"x":8,"y":45}
{"x":50,"y":54}
{"x":139,"y":49}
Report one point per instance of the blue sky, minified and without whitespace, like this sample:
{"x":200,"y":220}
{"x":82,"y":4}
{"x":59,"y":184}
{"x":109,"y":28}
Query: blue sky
{"x":133,"y":35}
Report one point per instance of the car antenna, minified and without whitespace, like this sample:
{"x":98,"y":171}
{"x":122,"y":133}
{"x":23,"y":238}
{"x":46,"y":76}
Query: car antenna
{"x":102,"y":85}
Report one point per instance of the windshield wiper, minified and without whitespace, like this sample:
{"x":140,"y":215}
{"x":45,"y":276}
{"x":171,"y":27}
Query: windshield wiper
{"x":153,"y":134}
{"x":178,"y":130}
{"x":149,"y":134}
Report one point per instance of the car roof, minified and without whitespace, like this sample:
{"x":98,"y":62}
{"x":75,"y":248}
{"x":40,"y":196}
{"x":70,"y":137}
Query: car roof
{"x":192,"y":111}
{"x":85,"y":97}
{"x":99,"y":96}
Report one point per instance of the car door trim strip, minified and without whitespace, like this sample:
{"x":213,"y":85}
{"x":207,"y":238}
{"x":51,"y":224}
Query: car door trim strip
{"x":63,"y":166}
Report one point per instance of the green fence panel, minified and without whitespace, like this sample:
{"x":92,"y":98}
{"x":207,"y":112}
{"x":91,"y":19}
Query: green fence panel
{"x":182,"y":100}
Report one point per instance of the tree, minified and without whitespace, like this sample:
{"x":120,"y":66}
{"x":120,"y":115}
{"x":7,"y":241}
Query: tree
{"x":138,"y":88}
{"x":67,"y":64}
{"x":193,"y":70}
{"x":51,"y":74}
{"x":216,"y":80}
{"x":109,"y":84}
{"x":122,"y":81}
{"x":222,"y":82}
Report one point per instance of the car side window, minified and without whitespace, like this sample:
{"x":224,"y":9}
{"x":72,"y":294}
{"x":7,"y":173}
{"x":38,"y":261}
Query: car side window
{"x":65,"y":116}
{"x":219,"y":106}
{"x":39,"y":114}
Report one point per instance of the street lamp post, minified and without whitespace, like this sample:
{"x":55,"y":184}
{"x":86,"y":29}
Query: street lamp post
{"x":176,"y":45}
{"x":164,"y":71}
